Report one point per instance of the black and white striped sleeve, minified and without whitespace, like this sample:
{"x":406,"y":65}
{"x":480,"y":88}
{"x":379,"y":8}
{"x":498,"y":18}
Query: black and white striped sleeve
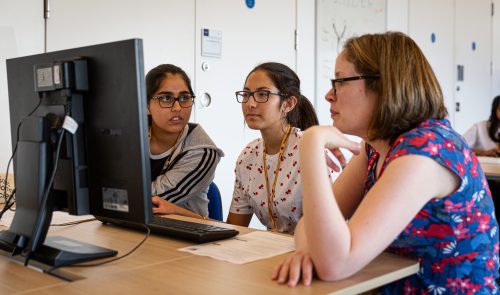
{"x":189,"y":173}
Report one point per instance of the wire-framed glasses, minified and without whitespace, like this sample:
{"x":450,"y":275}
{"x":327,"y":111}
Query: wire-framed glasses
{"x":168,"y":101}
{"x":258,"y":95}
{"x":342,"y":80}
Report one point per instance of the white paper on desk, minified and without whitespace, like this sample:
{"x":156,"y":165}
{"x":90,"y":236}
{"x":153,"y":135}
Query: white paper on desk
{"x":245,"y":248}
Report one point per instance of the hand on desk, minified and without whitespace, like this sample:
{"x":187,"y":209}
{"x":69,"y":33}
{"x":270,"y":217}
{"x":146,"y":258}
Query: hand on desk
{"x":494,"y":152}
{"x":161,"y":206}
{"x":491,"y":153}
{"x":296,"y":265}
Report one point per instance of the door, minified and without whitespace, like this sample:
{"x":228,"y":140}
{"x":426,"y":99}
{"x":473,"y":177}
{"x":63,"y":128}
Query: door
{"x":435,"y":37}
{"x":243,"y":37}
{"x":472,"y":62}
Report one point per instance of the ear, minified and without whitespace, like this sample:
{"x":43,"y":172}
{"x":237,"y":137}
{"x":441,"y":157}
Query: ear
{"x":289,"y":104}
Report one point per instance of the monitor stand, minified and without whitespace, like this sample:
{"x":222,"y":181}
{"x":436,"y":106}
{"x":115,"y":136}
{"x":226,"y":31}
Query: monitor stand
{"x":60,"y":251}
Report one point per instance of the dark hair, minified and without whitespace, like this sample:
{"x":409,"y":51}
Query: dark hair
{"x":494,"y":122}
{"x":155,"y":76}
{"x":407,"y":91}
{"x":286,"y":80}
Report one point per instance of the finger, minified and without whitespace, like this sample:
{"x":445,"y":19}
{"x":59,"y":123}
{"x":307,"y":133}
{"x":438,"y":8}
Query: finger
{"x":155,"y":200}
{"x":276,"y":271}
{"x":283,"y":274}
{"x":307,"y":271}
{"x":356,"y":148}
{"x":294,"y":273}
{"x":339,"y":155}
{"x":353,"y":146}
{"x":342,"y":141}
{"x":331,"y":164}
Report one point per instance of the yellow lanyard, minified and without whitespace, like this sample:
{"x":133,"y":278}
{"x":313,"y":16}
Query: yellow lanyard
{"x":272,"y":194}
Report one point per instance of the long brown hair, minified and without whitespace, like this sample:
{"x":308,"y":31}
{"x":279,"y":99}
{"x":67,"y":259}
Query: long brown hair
{"x":407,"y":91}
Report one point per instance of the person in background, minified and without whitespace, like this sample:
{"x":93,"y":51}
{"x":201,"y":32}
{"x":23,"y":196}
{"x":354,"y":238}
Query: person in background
{"x":267,"y":170}
{"x":413,"y":188}
{"x":183,"y":157}
{"x":483,"y":137}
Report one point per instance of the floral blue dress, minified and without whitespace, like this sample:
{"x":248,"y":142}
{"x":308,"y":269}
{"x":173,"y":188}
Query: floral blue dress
{"x":455,"y":238}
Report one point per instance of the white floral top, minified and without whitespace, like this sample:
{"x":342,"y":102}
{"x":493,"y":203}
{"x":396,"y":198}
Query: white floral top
{"x":250,"y":194}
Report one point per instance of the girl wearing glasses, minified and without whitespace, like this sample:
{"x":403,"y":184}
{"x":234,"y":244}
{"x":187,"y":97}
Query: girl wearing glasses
{"x":183,"y":157}
{"x":414,"y":187}
{"x":267,"y":170}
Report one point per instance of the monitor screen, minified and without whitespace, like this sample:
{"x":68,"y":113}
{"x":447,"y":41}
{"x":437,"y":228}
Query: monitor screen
{"x":102,"y":168}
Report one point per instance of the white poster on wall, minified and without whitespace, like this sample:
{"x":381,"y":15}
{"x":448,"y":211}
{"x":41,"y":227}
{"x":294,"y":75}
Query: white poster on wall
{"x":337,"y":20}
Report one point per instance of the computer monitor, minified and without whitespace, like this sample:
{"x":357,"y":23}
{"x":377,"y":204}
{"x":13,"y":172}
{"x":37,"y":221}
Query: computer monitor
{"x":101,"y":169}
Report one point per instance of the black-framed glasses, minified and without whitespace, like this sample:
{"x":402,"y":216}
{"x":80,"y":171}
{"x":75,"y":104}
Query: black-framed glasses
{"x":341,"y":80}
{"x":258,"y":95}
{"x":168,"y":101}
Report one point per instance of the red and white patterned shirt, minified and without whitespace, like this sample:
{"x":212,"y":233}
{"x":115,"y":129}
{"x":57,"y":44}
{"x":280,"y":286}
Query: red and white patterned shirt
{"x":250,"y":194}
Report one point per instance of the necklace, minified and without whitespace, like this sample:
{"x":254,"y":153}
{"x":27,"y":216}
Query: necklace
{"x":271,"y":194}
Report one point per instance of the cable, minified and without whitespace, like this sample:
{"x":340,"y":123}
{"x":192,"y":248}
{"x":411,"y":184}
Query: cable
{"x":148,"y":233}
{"x":8,"y":203}
{"x":73,"y":222}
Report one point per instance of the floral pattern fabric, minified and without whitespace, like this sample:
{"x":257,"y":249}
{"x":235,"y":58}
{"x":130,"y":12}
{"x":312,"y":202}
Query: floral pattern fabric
{"x":250,"y":194}
{"x":455,"y":238}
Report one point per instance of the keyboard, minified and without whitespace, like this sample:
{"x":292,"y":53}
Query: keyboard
{"x":179,"y":229}
{"x":190,"y":231}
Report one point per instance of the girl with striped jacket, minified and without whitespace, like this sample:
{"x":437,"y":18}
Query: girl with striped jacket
{"x":183,"y":157}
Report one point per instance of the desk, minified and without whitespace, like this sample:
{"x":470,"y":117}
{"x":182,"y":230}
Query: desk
{"x":157,"y":267}
{"x":491,"y":167}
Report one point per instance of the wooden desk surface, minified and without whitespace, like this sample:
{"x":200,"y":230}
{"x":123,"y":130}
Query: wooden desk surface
{"x":157,"y":267}
{"x":17,"y":279}
{"x":491,"y":167}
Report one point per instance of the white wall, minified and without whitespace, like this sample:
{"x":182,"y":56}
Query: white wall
{"x":306,"y":47}
{"x":166,"y":27}
{"x":21,"y":33}
{"x":455,"y":24}
{"x":495,"y":85}
{"x":472,"y":50}
{"x":397,"y":15}
{"x":439,"y":23}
